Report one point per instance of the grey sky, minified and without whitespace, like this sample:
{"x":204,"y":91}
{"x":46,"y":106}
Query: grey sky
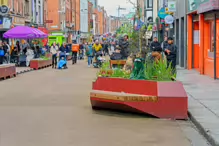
{"x":111,"y":6}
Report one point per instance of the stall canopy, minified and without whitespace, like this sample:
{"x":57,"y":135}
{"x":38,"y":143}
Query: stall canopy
{"x":24,"y":32}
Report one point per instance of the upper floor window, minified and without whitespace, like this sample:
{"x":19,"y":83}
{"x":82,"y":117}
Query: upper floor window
{"x":149,"y":4}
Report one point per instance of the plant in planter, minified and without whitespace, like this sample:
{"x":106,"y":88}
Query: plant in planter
{"x":159,"y":71}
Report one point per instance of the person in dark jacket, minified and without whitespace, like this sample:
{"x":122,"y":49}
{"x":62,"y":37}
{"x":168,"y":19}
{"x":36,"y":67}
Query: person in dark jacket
{"x":63,"y":50}
{"x":124,"y":44}
{"x":164,"y":43}
{"x":155,"y":46}
{"x":170,"y":53}
{"x":106,"y":48}
{"x":156,"y":50}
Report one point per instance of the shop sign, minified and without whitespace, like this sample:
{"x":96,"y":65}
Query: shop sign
{"x":57,"y":34}
{"x":171,"y":6}
{"x":162,"y":14}
{"x":169,"y":19}
{"x":6,"y":23}
{"x":192,"y":5}
{"x":4,"y":9}
{"x":208,"y":6}
{"x":18,"y":21}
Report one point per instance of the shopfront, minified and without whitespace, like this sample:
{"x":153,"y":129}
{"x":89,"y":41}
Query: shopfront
{"x":203,"y":38}
{"x":5,"y":25}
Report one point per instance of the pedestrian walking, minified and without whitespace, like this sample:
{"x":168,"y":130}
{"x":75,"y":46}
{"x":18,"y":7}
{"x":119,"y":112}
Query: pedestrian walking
{"x":6,"y":48}
{"x":30,"y":56}
{"x":106,"y":48}
{"x":63,"y":50}
{"x":90,"y":54}
{"x":54,"y":50}
{"x":164,"y":43}
{"x":170,"y":53}
{"x":75,"y":50}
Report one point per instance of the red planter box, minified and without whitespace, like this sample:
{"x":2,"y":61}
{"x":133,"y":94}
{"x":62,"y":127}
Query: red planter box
{"x":38,"y":64}
{"x":171,"y":98}
{"x":7,"y":71}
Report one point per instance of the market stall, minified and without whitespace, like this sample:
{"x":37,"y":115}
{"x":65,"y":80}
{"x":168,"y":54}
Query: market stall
{"x":27,"y":33}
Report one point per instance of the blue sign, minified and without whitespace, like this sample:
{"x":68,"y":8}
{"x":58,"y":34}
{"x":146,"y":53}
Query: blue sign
{"x":162,"y":13}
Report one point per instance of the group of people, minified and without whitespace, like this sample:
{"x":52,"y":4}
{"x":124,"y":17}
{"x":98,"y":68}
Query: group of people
{"x":19,"y":53}
{"x":60,"y":52}
{"x":167,"y":47}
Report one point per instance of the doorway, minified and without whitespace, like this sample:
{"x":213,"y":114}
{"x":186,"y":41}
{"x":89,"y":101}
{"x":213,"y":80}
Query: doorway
{"x":182,"y":45}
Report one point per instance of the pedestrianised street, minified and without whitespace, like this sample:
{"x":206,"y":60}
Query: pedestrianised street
{"x":52,"y":108}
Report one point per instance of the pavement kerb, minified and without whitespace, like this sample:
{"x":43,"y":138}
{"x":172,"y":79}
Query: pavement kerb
{"x":202,"y":131}
{"x":24,"y":71}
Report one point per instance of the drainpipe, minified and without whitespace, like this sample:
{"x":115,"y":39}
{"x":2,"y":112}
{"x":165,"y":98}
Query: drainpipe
{"x":215,"y":46}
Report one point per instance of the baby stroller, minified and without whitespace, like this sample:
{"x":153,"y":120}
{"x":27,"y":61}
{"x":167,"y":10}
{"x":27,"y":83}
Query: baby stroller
{"x":62,"y":64}
{"x":99,"y":60}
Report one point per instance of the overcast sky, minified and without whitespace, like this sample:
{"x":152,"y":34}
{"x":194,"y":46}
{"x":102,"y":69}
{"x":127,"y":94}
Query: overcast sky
{"x":111,"y":6}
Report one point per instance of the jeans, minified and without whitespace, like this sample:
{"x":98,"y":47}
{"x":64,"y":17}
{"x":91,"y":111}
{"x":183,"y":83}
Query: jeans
{"x":54,"y":60}
{"x":74,"y":57}
{"x":1,"y":59}
{"x":173,"y":65}
{"x":90,"y":60}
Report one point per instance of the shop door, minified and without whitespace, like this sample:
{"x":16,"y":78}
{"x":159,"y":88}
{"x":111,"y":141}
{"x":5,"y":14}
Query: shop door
{"x":182,"y":44}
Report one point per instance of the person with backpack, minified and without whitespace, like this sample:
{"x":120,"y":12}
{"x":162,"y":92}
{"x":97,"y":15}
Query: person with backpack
{"x":75,"y":50}
{"x":2,"y":55}
{"x":90,"y":54}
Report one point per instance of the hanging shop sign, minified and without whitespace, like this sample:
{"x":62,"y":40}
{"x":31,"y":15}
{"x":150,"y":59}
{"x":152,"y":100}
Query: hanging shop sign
{"x":192,"y":5}
{"x":4,"y":9}
{"x":171,"y":6}
{"x":169,"y":19}
{"x":162,"y":14}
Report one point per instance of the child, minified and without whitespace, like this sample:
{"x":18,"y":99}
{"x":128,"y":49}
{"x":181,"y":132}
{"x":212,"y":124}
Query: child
{"x":170,"y":53}
{"x":90,"y":54}
{"x":62,"y":63}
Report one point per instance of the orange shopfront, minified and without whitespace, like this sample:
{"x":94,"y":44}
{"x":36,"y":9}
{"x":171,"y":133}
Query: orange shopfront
{"x":203,"y":40}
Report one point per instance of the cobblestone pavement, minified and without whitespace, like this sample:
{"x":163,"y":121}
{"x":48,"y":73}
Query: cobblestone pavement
{"x":52,"y":108}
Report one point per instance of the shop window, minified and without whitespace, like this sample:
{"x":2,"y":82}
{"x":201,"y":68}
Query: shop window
{"x":211,"y":37}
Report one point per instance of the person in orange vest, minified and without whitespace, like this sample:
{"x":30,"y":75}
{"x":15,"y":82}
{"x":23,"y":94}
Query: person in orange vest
{"x":75,"y":49}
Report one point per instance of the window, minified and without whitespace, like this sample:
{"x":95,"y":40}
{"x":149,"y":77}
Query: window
{"x":26,"y":7}
{"x":149,"y":3}
{"x":211,"y":37}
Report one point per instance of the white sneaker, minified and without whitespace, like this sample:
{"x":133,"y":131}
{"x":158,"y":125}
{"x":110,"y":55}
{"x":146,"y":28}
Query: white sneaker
{"x":88,"y":65}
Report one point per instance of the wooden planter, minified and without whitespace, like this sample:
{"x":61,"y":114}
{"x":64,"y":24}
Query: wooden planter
{"x":39,"y":64}
{"x":161,"y":99}
{"x":117,"y":62}
{"x":7,"y":71}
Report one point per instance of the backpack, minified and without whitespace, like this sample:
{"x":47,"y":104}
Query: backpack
{"x":2,"y":52}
